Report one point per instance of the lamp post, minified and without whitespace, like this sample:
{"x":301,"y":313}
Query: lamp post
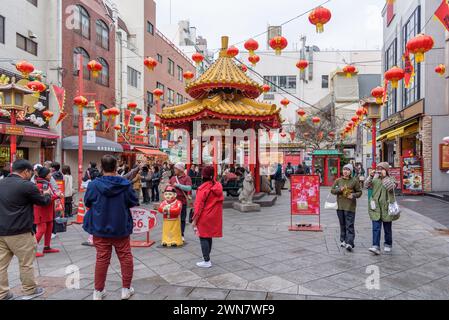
{"x":374,"y":115}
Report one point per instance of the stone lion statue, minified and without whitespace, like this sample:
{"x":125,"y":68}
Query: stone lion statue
{"x":248,"y":190}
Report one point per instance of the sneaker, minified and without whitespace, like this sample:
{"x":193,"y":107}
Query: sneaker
{"x":183,"y":239}
{"x":343,"y":244}
{"x":9,"y":296}
{"x":127,"y":293}
{"x":204,"y":264}
{"x":53,"y":235}
{"x":374,"y":250}
{"x":387,"y":249}
{"x":99,"y":295}
{"x":349,"y":247}
{"x":39,"y":254}
{"x":87,"y":244}
{"x":50,"y":250}
{"x":37,"y":293}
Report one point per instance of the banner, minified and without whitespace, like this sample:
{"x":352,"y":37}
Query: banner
{"x":442,"y":14}
{"x":144,"y":220}
{"x":305,"y":195}
{"x":60,"y":96}
{"x":409,"y":69}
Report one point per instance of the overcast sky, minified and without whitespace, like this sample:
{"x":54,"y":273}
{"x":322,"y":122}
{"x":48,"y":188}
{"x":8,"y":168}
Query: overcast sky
{"x":355,"y":24}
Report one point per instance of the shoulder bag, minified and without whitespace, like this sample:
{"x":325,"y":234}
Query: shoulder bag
{"x":187,"y":196}
{"x":393,"y":208}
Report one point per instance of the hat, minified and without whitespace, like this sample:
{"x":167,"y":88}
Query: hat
{"x":180,"y":166}
{"x":384,"y":165}
{"x":348,"y":167}
{"x":37,"y":166}
{"x":170,"y":189}
{"x":43,"y":172}
{"x":208,"y":172}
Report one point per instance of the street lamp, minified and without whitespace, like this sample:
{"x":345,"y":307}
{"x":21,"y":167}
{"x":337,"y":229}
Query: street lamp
{"x":373,"y":108}
{"x":12,"y":100}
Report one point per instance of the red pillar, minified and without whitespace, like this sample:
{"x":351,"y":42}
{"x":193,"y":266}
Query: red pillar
{"x":13,"y":139}
{"x":189,"y":152}
{"x":215,"y":157}
{"x":252,"y":153}
{"x":257,"y":176}
{"x":374,"y":141}
{"x":80,"y":124}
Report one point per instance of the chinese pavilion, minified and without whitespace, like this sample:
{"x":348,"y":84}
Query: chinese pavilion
{"x":225,"y":98}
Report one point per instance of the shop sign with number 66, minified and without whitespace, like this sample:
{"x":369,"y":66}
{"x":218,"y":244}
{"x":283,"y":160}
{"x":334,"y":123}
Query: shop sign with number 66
{"x":144,"y":220}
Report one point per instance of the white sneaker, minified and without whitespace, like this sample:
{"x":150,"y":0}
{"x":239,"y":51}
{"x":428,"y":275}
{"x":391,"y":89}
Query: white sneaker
{"x":204,"y":264}
{"x":374,"y":250}
{"x":127,"y":293}
{"x":99,"y":295}
{"x":53,"y":235}
{"x":343,"y":244}
{"x":349,"y":247}
{"x":387,"y":249}
{"x":183,"y":239}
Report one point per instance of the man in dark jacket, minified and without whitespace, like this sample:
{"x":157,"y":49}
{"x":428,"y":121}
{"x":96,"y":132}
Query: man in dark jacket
{"x":17,"y":197}
{"x":92,"y":172}
{"x":109,"y":220}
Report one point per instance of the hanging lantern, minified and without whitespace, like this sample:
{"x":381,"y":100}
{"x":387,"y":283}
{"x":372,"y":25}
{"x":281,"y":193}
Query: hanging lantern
{"x":355,"y":119}
{"x":95,"y":67}
{"x":80,"y":102}
{"x":158,"y":93}
{"x":25,"y":68}
{"x":251,"y":45}
{"x":266,"y":88}
{"x":350,"y":70}
{"x":141,"y":131}
{"x":232,"y":52}
{"x":319,"y":17}
{"x":278,"y":44}
{"x":302,"y":114}
{"x":198,"y":58}
{"x":48,"y":115}
{"x":37,"y":87}
{"x":157,"y":124}
{"x":243,"y":68}
{"x":188,"y":76}
{"x":440,"y":69}
{"x":378,"y":93}
{"x":285,"y":102}
{"x":138,"y":119}
{"x":302,"y":65}
{"x":132,"y":106}
{"x":254,"y":59}
{"x":419,"y":45}
{"x":360,"y":112}
{"x":117,"y":127}
{"x":394,"y":75}
{"x":114,"y":112}
{"x":106,"y":112}
{"x":316,"y":121}
{"x":150,"y":63}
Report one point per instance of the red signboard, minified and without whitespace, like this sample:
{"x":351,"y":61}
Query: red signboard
{"x":396,"y":174}
{"x":305,"y":200}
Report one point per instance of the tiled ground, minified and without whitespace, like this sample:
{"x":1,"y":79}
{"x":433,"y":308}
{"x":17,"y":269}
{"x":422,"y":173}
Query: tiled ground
{"x":258,"y":258}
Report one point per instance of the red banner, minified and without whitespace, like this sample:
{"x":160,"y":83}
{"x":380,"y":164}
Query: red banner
{"x":442,"y":14}
{"x":408,"y":69}
{"x":60,"y":96}
{"x":305,"y":195}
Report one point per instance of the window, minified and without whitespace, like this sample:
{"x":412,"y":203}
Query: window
{"x":159,"y":58}
{"x":171,"y":67}
{"x":411,"y":28}
{"x":82,"y":20}
{"x":75,"y":117}
{"x":171,"y":96}
{"x":103,"y":119}
{"x":133,"y":77}
{"x":33,"y":2}
{"x":272,"y":82}
{"x":150,"y":99}
{"x":102,"y":35}
{"x":76,"y":66}
{"x":324,"y":81}
{"x":391,"y":61}
{"x":26,"y":44}
{"x":179,"y":99}
{"x":281,"y":83}
{"x":2,"y":29}
{"x":103,"y":79}
{"x":180,"y":74}
{"x":150,"y":28}
{"x":162,"y":87}
{"x":291,"y":83}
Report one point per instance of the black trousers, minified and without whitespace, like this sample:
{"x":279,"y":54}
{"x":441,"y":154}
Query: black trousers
{"x":347,"y":229}
{"x":206,"y":248}
{"x":68,"y":206}
{"x":183,"y":218}
{"x":146,"y":195}
{"x":155,"y":193}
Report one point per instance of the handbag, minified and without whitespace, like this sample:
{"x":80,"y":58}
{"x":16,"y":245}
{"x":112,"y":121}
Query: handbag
{"x":58,"y":206}
{"x":61,"y":225}
{"x":188,"y":197}
{"x":330,"y":205}
{"x":393,"y":208}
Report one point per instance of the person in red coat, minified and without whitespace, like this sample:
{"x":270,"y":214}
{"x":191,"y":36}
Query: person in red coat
{"x":44,"y":216}
{"x":208,"y":217}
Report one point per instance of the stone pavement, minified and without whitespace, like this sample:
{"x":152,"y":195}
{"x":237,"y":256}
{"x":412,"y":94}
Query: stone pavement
{"x":259,"y":259}
{"x":430,"y":207}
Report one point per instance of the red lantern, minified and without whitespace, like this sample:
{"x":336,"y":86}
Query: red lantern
{"x":117,"y":127}
{"x":188,"y":75}
{"x":106,"y":112}
{"x":48,"y":115}
{"x":37,"y":87}
{"x":157,"y":124}
{"x":360,"y":112}
{"x":232,"y":52}
{"x":283,"y":134}
{"x":440,"y":69}
{"x":394,"y":75}
{"x":278,"y":44}
{"x":95,"y":67}
{"x":150,"y":63}
{"x":419,"y":45}
{"x":114,"y":112}
{"x":158,"y":93}
{"x":198,"y":58}
{"x":378,"y":93}
{"x":254,"y":59}
{"x":141,"y":131}
{"x":319,"y":17}
{"x":355,"y":119}
{"x":80,"y":102}
{"x":285,"y":102}
{"x":302,"y":65}
{"x":138,"y":119}
{"x":243,"y":68}
{"x":251,"y":45}
{"x":316,"y":121}
{"x":301,"y":112}
{"x":25,"y":68}
{"x":350,"y":71}
{"x":266,"y":88}
{"x":132,"y":105}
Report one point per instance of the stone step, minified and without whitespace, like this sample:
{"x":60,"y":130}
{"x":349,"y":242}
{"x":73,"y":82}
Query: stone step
{"x":267,"y":201}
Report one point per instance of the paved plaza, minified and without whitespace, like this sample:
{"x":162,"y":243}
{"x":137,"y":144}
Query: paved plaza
{"x":259,"y":259}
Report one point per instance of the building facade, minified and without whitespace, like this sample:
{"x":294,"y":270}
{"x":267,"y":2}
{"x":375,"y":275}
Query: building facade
{"x":414,"y":119}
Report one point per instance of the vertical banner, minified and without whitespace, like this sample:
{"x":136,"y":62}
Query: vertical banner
{"x":127,"y":120}
{"x":60,"y":96}
{"x":408,"y":69}
{"x":442,"y":14}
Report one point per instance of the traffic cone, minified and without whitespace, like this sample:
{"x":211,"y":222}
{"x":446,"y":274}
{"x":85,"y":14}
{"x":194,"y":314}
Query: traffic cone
{"x":81,"y":213}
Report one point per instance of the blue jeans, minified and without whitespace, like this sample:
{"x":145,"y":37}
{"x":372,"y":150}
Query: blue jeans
{"x":377,"y":230}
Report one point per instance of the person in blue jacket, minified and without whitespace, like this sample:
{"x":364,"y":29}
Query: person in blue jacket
{"x":109,"y":199}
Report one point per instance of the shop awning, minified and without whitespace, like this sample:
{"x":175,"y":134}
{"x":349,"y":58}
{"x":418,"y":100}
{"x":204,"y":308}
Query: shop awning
{"x":397,"y":132}
{"x":327,"y":153}
{"x":30,"y":132}
{"x":100,"y":145}
{"x":151,"y":152}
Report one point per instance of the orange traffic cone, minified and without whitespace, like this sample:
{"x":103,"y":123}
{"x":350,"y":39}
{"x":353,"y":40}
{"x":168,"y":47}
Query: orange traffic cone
{"x":81,"y":213}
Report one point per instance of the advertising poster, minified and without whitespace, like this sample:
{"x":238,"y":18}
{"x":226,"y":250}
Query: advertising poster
{"x":412,"y":175}
{"x":305,"y":195}
{"x":444,"y":157}
{"x":396,"y":174}
{"x":144,"y":220}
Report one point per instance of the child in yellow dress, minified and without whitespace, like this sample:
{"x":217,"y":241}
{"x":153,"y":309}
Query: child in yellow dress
{"x":171,"y":227}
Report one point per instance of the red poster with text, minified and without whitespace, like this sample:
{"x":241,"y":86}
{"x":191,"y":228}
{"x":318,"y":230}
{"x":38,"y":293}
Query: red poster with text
{"x":305,"y":195}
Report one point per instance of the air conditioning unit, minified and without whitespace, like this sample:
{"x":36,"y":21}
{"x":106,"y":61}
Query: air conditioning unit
{"x":32,"y":35}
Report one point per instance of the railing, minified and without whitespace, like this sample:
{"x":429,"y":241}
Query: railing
{"x":171,"y":44}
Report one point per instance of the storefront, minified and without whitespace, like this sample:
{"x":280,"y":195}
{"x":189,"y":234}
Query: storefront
{"x":326,"y":164}
{"x":136,"y":149}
